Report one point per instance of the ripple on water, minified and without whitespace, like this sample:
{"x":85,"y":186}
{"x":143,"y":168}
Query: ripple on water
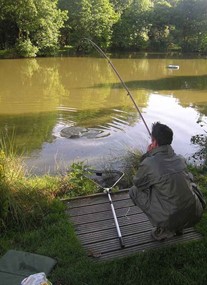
{"x":68,"y":127}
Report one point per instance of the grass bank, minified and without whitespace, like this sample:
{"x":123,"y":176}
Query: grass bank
{"x":33,"y":219}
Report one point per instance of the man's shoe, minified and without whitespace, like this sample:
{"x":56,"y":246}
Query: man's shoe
{"x":162,"y":234}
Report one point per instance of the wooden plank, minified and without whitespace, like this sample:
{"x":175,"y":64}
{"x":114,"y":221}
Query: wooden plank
{"x":88,"y":209}
{"x":133,"y":218}
{"x":98,"y":198}
{"x":94,"y":217}
{"x":122,"y":203}
{"x":87,"y":201}
{"x":110,"y":233}
{"x":131,"y":241}
{"x":153,"y":245}
{"x":94,"y":224}
{"x":105,"y":224}
{"x":116,"y":196}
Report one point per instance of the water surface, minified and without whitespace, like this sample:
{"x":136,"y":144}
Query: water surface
{"x":40,"y":97}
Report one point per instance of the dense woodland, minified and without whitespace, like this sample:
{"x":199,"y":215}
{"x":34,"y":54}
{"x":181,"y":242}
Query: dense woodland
{"x":41,"y":27}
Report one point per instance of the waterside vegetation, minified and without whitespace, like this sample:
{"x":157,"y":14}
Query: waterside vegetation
{"x":42,"y":27}
{"x":33,"y":219}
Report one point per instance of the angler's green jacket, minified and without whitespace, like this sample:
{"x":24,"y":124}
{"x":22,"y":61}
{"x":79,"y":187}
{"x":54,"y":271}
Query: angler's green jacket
{"x":164,"y":190}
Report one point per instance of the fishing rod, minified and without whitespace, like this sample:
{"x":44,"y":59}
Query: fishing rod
{"x":108,"y":190}
{"x":121,"y":80}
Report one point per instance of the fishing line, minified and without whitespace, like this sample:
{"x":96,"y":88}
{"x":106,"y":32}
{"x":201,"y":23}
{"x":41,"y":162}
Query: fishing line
{"x":121,"y":80}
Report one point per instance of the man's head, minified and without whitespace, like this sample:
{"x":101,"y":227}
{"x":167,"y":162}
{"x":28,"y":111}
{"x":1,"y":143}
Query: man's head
{"x":161,"y":134}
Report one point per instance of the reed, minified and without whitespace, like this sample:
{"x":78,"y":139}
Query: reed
{"x":21,"y":205}
{"x":25,"y":200}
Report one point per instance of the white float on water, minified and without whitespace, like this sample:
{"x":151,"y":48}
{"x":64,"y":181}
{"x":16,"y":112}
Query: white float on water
{"x":172,"y":66}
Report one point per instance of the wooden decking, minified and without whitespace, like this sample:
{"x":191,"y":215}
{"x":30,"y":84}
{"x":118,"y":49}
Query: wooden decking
{"x":95,"y":227}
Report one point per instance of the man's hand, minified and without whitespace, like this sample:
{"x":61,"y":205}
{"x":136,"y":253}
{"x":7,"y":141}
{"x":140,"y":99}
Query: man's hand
{"x":150,"y":147}
{"x":153,"y":145}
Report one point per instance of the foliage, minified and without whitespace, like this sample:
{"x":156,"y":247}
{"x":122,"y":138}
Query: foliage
{"x":130,"y":32}
{"x":25,"y":48}
{"x":137,"y":25}
{"x":130,"y":164}
{"x":76,"y":182}
{"x":160,"y":26}
{"x":89,"y":19}
{"x":201,"y":141}
{"x":203,"y":46}
{"x":189,"y":17}
{"x":103,"y":18}
{"x":120,"y":5}
{"x":35,"y":25}
{"x":119,"y":24}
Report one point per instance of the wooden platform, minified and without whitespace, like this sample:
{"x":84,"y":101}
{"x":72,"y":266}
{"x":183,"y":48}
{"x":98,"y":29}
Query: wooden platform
{"x":95,"y":227}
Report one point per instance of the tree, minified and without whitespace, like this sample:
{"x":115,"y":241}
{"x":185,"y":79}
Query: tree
{"x":160,"y":25}
{"x":190,"y":20}
{"x":37,"y":24}
{"x":131,"y":30}
{"x":89,"y":19}
{"x":8,"y":27}
{"x":103,"y":18}
{"x":77,"y":26}
{"x":120,"y":5}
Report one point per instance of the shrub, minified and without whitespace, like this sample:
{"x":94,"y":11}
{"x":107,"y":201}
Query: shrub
{"x":75,"y":183}
{"x":204,"y":44}
{"x":25,"y":48}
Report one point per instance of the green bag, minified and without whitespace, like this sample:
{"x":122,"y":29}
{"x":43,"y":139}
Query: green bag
{"x":17,"y":265}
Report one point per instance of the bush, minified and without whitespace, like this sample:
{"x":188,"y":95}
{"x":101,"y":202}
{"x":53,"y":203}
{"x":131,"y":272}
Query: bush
{"x":76,"y":183}
{"x":204,"y":44}
{"x":25,"y":48}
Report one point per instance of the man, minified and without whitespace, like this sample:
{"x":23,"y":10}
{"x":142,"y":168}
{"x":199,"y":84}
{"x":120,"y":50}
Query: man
{"x":164,"y":189}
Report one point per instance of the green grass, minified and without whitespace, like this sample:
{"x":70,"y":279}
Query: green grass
{"x":47,"y":230}
{"x":180,"y":264}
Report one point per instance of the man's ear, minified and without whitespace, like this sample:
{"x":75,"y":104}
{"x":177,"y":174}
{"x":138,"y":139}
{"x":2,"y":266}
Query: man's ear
{"x":154,"y":143}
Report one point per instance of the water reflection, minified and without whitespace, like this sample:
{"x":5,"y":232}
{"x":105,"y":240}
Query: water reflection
{"x":27,"y":132}
{"x":169,"y":83}
{"x":29,"y":86}
{"x":40,"y":97}
{"x":110,"y":149}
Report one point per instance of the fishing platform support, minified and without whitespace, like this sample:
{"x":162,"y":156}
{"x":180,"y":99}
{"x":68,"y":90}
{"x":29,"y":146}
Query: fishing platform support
{"x":108,"y":190}
{"x":115,"y":219}
{"x":121,"y":80}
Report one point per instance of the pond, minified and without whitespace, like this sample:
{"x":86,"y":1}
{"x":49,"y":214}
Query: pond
{"x":40,"y":97}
